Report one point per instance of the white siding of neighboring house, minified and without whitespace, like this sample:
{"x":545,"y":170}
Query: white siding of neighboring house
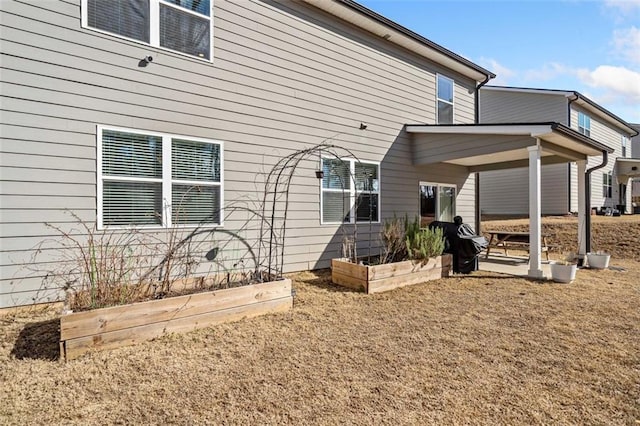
{"x":506,"y":191}
{"x":559,"y":182}
{"x":612,"y":137}
{"x":284,"y":77}
{"x":634,"y":187}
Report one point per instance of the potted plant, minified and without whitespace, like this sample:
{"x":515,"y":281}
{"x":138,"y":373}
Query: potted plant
{"x":563,"y":271}
{"x":598,"y":260}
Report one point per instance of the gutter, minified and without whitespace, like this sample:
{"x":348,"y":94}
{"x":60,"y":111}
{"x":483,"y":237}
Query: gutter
{"x":587,"y":190}
{"x":575,"y":98}
{"x":478,"y":211}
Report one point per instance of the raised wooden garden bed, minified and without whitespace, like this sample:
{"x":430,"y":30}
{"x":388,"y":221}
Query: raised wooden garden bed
{"x":109,"y":328}
{"x":379,"y":278}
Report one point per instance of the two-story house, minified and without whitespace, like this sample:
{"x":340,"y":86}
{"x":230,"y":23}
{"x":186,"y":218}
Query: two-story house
{"x":158,"y":115}
{"x":505,"y":192}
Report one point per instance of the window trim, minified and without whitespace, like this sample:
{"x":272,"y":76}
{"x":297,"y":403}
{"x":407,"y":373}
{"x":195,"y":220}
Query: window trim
{"x":166,"y":180}
{"x":352,"y":192}
{"x":607,"y":185}
{"x":453,"y":98}
{"x":438,"y":185}
{"x":585,"y":130}
{"x":154,"y":20}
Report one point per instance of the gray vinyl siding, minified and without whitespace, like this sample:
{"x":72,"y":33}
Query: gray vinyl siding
{"x":559,"y":182}
{"x":284,"y":77}
{"x":506,"y":191}
{"x":499,"y":195}
{"x":517,"y":107}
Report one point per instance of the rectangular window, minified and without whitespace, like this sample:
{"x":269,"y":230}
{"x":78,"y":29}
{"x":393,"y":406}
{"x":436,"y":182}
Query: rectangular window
{"x":584,"y":124}
{"x":445,"y":100}
{"x":183,"y":26}
{"x":158,"y":180}
{"x":625,"y":141}
{"x":437,"y":202}
{"x":350,"y":191}
{"x":607,"y":184}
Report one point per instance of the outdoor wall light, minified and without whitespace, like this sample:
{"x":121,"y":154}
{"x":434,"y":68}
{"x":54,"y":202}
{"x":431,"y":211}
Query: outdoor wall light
{"x":145,"y":61}
{"x":319,"y":174}
{"x":363,"y":126}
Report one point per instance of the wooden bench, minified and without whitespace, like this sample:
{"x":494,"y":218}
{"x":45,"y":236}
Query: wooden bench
{"x":507,"y":240}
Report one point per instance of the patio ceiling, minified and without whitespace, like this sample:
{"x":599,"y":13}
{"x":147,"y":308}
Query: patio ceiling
{"x":483,"y":147}
{"x":627,"y":168}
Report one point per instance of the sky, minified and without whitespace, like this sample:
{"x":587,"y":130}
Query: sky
{"x":591,"y":46}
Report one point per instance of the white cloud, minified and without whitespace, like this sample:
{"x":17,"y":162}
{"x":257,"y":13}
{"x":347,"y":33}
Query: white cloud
{"x":626,"y":43}
{"x":625,"y":6}
{"x":547,"y":72}
{"x":503,"y":74}
{"x":615,"y":84}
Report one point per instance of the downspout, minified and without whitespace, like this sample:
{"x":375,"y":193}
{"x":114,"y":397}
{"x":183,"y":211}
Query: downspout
{"x":477,"y":212}
{"x":575,"y":98}
{"x":587,"y":190}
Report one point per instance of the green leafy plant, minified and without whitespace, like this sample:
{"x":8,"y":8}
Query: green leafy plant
{"x":424,"y":243}
{"x":403,"y":239}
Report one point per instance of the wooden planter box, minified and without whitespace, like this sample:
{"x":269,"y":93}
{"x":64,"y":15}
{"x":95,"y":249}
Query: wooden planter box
{"x":379,"y":278}
{"x":124,"y":325}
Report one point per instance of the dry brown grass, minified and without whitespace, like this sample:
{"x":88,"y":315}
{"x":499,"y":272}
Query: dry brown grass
{"x":480,"y":349}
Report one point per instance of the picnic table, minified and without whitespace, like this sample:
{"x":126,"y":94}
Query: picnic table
{"x":513,"y":240}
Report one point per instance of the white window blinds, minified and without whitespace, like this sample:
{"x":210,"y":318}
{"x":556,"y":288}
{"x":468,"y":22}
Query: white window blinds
{"x":158,"y":180}
{"x":183,"y":26}
{"x":350,"y":191}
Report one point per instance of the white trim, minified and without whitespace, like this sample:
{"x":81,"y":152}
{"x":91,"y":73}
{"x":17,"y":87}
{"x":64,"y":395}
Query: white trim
{"x":438,"y":185}
{"x":166,"y":179}
{"x":498,"y":129}
{"x":154,"y":22}
{"x":453,"y":98}
{"x":352,"y":191}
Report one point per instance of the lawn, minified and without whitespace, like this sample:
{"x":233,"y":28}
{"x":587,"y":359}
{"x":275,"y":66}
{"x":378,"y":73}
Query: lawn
{"x":479,"y":349}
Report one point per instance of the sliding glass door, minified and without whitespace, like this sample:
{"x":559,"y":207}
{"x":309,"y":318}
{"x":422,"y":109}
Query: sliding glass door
{"x":437,"y":202}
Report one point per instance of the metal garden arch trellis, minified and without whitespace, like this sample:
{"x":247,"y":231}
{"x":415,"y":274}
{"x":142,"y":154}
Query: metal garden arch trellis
{"x":275,"y":205}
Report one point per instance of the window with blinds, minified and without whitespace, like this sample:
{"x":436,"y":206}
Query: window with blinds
{"x":350,"y":191}
{"x":183,"y":26}
{"x":158,"y":180}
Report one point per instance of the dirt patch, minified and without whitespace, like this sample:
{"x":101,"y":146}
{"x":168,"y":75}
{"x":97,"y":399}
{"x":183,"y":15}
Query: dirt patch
{"x":619,"y":236}
{"x":479,"y":349}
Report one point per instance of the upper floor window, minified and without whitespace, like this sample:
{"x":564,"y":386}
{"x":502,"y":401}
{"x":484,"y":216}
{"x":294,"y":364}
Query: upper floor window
{"x":150,"y":179}
{"x":180,"y":25}
{"x":625,"y":142}
{"x":445,"y":100}
{"x":607,"y":185}
{"x":350,"y":191}
{"x":584,"y":124}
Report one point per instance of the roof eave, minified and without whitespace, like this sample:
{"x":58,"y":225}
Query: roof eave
{"x":393,"y":32}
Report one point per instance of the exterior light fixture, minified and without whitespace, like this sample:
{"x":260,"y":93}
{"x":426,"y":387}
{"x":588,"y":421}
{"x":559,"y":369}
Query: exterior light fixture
{"x":363,"y":126}
{"x":145,"y":61}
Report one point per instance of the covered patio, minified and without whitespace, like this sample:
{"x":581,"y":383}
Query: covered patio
{"x":485,"y":147}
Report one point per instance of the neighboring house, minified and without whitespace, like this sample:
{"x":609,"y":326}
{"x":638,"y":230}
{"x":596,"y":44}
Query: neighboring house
{"x":165,"y":115}
{"x":635,"y":182}
{"x":505,"y":192}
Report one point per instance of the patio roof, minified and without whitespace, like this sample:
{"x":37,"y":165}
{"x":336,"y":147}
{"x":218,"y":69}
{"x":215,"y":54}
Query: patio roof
{"x":482,"y":147}
{"x":485,"y":147}
{"x":627,"y":168}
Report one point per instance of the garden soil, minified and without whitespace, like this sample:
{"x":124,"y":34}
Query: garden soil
{"x":478,"y":349}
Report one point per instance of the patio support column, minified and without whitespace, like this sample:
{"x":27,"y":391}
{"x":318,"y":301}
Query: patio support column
{"x":535,"y":212}
{"x":582,"y":219}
